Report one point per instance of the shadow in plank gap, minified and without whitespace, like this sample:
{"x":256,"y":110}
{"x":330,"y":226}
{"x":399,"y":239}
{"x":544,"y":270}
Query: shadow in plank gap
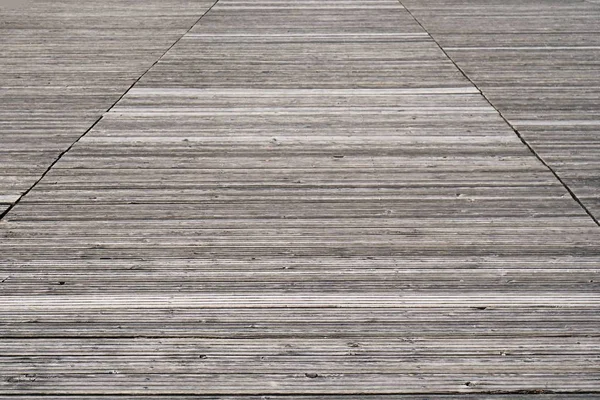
{"x":9,"y":198}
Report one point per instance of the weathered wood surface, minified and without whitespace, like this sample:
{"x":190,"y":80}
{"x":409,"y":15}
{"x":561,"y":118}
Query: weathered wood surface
{"x":539,"y":64}
{"x":302,"y":198}
{"x":63,"y":64}
{"x":538,"y":396}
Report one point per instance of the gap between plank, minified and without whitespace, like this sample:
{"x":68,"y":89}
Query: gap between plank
{"x":61,"y":155}
{"x":521,"y":138}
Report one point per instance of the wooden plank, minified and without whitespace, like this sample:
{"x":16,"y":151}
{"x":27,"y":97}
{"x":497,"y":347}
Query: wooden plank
{"x":362,"y":325}
{"x":539,"y":394}
{"x":308,"y":383}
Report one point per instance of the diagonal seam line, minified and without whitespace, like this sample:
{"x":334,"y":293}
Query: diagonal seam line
{"x":61,"y":155}
{"x":521,"y":138}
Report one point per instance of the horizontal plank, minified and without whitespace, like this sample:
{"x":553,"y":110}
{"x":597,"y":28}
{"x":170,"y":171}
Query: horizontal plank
{"x":307,"y":383}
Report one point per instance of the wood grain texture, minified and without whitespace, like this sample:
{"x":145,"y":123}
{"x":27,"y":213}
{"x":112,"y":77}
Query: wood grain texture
{"x":538,"y":63}
{"x":64,"y":63}
{"x":301,"y":199}
{"x":538,"y":395}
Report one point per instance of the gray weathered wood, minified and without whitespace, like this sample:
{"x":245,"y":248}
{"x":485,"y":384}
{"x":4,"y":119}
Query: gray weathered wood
{"x":538,"y":63}
{"x":300,"y":198}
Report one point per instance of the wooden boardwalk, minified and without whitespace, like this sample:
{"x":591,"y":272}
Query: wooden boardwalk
{"x":299,"y":199}
{"x":64,"y":63}
{"x":539,"y":63}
